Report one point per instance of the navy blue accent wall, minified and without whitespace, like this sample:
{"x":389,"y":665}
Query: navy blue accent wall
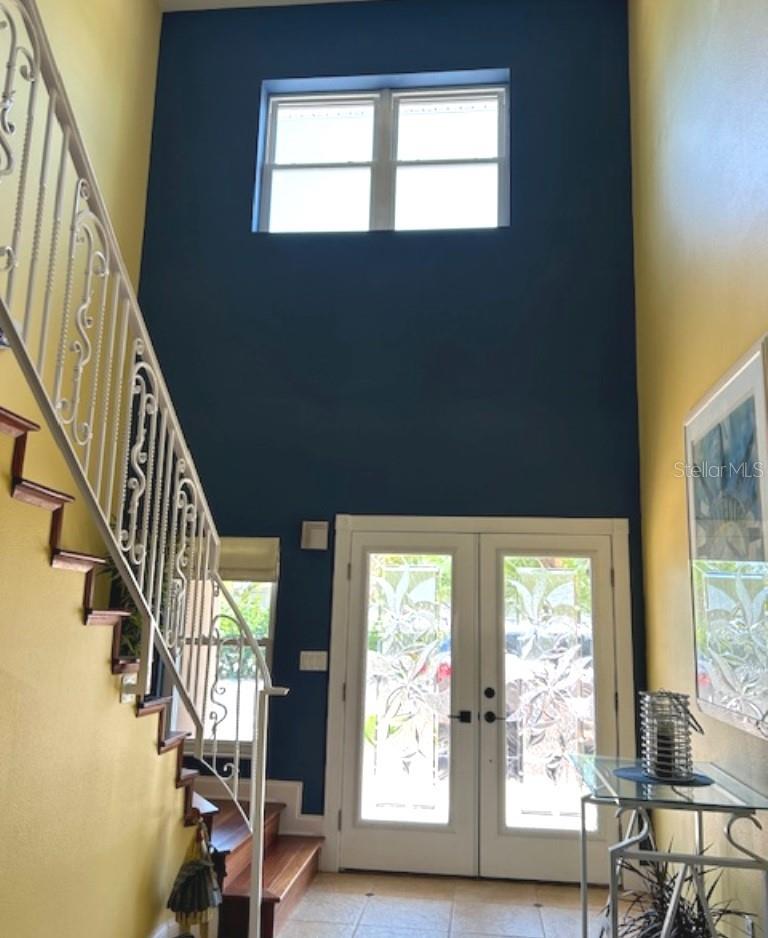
{"x":444,"y":373}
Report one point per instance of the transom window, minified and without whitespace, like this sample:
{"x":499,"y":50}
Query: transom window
{"x":386,"y":160}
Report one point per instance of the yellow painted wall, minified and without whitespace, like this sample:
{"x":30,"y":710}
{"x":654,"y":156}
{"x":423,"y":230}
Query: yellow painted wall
{"x":700,"y":148}
{"x":107,"y":53}
{"x":92,"y":819}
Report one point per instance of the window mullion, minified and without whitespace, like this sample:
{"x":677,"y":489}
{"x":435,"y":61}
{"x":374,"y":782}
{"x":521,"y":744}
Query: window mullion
{"x":382,"y":183}
{"x":504,"y":159}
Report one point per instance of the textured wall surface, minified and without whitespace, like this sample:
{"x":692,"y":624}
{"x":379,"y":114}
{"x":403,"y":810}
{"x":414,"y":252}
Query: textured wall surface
{"x":700,"y":160}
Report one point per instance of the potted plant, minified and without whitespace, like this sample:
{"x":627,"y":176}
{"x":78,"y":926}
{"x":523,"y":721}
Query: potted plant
{"x":648,"y":909}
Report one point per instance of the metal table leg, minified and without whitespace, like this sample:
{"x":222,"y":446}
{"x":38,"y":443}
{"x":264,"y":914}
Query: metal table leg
{"x":584,"y":870}
{"x":639,"y":819}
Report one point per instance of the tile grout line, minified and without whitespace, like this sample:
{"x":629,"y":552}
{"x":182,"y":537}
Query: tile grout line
{"x":356,"y":926}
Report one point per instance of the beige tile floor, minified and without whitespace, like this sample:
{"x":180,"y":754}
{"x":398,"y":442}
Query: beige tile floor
{"x":361,"y":905}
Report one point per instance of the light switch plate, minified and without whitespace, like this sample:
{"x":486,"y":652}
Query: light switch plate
{"x":313,"y":661}
{"x":129,"y":687}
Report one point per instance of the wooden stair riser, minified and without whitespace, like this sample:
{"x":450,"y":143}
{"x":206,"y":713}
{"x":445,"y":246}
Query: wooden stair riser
{"x":233,"y":918}
{"x":271,"y":829}
{"x":280,"y":912}
{"x":19,"y":453}
{"x":239,"y":858}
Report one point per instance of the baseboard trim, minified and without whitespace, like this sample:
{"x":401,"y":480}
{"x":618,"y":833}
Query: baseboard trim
{"x":290,"y":793}
{"x":293,"y":820}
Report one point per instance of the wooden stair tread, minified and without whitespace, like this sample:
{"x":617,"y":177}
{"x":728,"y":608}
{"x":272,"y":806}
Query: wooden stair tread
{"x":204,"y":807}
{"x":149,"y":705}
{"x":15,"y":424}
{"x":186,"y":777}
{"x":105,"y":616}
{"x":231,"y":831}
{"x":171,"y":741}
{"x":32,"y":493}
{"x":75,"y":560}
{"x":284,"y":863}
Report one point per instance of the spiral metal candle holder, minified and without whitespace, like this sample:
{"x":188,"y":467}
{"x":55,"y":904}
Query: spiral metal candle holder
{"x":666,"y":726}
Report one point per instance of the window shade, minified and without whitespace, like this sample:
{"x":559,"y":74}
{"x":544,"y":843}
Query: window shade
{"x":250,"y":558}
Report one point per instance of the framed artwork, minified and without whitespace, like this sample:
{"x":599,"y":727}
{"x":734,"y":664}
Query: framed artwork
{"x":726,"y":471}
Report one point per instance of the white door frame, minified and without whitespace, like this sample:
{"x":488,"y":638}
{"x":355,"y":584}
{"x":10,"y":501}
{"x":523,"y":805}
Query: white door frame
{"x":346,"y":525}
{"x":448,"y":846}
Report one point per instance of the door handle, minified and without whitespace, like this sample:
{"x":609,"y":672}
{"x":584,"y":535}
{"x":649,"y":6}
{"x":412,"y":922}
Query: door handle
{"x":490,"y":717}
{"x":463,"y":716}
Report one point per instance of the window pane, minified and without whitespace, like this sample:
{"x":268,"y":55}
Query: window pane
{"x":408,"y":666}
{"x":320,"y":200}
{"x":448,"y":129}
{"x":324,"y":133}
{"x":254,"y":600}
{"x":447,"y":197}
{"x":231,"y":664}
{"x":549,"y":679}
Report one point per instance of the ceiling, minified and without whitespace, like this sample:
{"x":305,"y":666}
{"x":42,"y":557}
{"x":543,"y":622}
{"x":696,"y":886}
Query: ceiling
{"x":223,"y":4}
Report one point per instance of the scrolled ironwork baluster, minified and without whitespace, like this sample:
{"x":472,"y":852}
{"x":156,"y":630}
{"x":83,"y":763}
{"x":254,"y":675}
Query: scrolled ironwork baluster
{"x":21,"y":62}
{"x":28,"y":71}
{"x":87,"y":230}
{"x":117,"y":293}
{"x":53,"y":250}
{"x":42,"y":193}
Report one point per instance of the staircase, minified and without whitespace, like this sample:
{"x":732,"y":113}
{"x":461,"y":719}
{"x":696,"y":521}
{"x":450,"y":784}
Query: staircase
{"x":290,"y":864}
{"x":69,"y":315}
{"x":42,"y":497}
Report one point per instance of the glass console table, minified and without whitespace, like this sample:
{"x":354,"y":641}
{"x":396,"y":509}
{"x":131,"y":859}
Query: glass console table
{"x":634,"y":800}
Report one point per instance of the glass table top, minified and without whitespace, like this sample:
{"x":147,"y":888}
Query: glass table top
{"x":725,"y":794}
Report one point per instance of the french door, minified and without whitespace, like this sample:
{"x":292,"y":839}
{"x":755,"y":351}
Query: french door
{"x":475,"y":663}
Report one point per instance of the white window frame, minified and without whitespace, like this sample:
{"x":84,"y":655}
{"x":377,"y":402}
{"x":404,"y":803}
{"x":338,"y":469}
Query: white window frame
{"x":384,"y":164}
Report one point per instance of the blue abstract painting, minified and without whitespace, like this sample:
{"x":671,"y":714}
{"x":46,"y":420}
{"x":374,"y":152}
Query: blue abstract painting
{"x":726,"y":480}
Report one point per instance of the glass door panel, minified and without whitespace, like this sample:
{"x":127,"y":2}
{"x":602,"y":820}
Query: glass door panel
{"x":547,"y":651}
{"x":549,"y":687}
{"x":410,"y":775}
{"x":406,"y":727}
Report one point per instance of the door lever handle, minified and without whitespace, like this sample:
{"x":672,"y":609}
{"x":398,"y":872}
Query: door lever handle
{"x":490,"y":717}
{"x":463,"y":716}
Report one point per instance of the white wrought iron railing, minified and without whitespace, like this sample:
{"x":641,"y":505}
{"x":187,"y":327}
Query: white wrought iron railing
{"x":69,"y":312}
